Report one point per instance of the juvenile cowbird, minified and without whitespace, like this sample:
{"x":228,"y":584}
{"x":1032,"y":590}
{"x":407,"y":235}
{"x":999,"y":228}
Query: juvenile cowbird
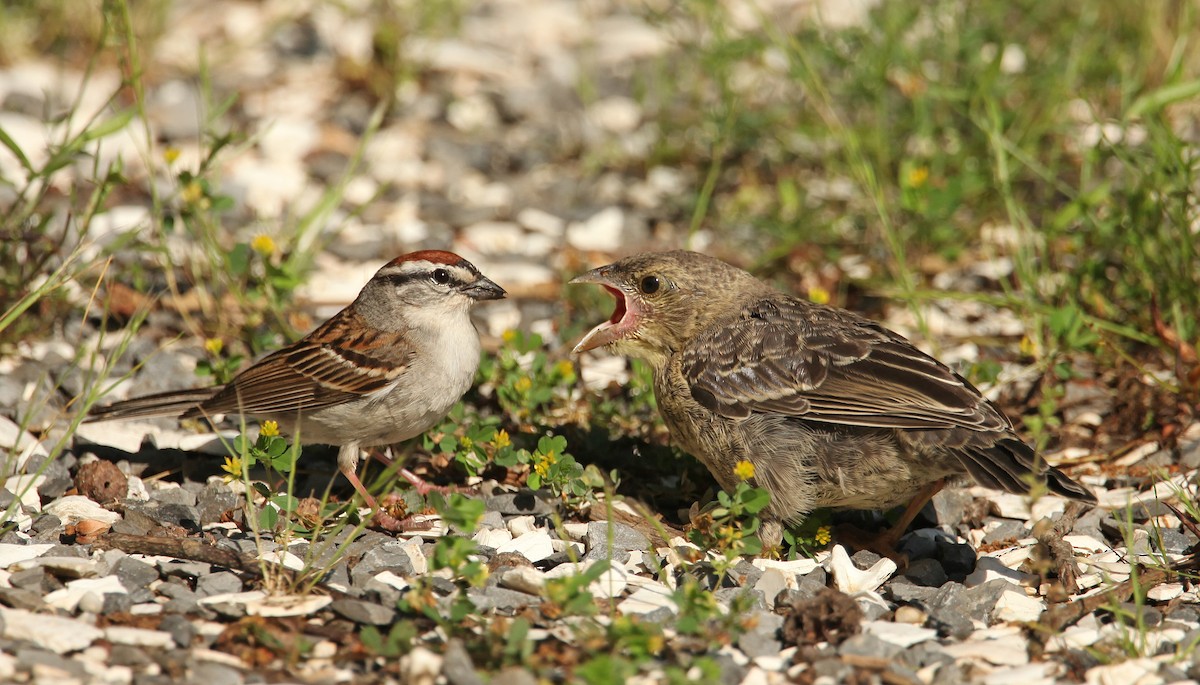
{"x":384,"y":369}
{"x":832,"y":409}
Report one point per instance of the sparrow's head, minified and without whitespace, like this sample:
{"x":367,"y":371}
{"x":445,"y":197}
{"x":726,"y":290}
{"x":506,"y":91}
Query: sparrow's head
{"x":663,"y":298}
{"x":424,"y":286}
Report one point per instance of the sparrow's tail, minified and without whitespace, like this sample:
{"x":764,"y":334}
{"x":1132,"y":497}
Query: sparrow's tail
{"x":1006,"y":463}
{"x":172,"y":403}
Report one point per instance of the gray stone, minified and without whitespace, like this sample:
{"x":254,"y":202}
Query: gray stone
{"x":864,"y":559}
{"x":1146,"y":615}
{"x":214,"y":501}
{"x":513,"y":675}
{"x":46,"y":527}
{"x":927,"y":572}
{"x":134,"y":524}
{"x":980,"y":601}
{"x":1089,"y":523}
{"x":732,"y":673}
{"x":366,"y":613}
{"x":902,"y":590}
{"x":873,"y":611}
{"x":30,"y":657}
{"x":950,"y":674}
{"x":184,"y":569}
{"x":1007,"y":529}
{"x":836,"y":670}
{"x":924,"y":654}
{"x":134,"y":574}
{"x":918,"y":547}
{"x":181,"y":629}
{"x":729,"y":594}
{"x":388,"y":556}
{"x":219,"y":583}
{"x":128,"y":655}
{"x":951,"y":506}
{"x":167,"y":513}
{"x":179,"y":496}
{"x":491,"y":599}
{"x":1175,"y":541}
{"x":457,"y":666}
{"x":745,"y":573}
{"x":515,"y":503}
{"x":493,"y":520}
{"x":762,"y":640}
{"x":35,"y":579}
{"x":947,"y":614}
{"x":116,"y":603}
{"x":58,"y":480}
{"x":212,"y":673}
{"x":19,"y":598}
{"x":622,"y":536}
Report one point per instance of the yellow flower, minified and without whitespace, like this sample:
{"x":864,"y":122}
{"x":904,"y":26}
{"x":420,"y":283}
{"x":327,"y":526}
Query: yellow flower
{"x":542,"y":468}
{"x":501,"y":440}
{"x":269,"y":429}
{"x":744,"y":470}
{"x":818,"y":294}
{"x":565,"y":369}
{"x":1029,"y":348}
{"x":232,"y":468}
{"x":509,"y":335}
{"x":917,"y":176}
{"x":466,"y":443}
{"x":823,"y":535}
{"x":263,"y":244}
{"x":214,"y":346}
{"x":171,"y":154}
{"x":192,"y":193}
{"x":523,"y":384}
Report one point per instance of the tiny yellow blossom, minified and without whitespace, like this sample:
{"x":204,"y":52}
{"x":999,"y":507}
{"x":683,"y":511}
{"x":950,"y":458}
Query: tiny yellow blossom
{"x":171,"y":154}
{"x":823,"y":536}
{"x":917,"y":176}
{"x":502,"y":440}
{"x":523,"y":384}
{"x":509,"y":335}
{"x":565,"y":369}
{"x":214,"y":346}
{"x":192,"y":193}
{"x":542,"y":468}
{"x":818,"y":294}
{"x":466,"y":443}
{"x":269,"y":429}
{"x":744,"y":470}
{"x":263,"y":244}
{"x":232,"y":468}
{"x":1028,"y":347}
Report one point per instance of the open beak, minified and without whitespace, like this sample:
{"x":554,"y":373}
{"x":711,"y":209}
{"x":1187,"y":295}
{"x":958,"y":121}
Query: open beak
{"x":483,"y":289}
{"x":624,"y":317}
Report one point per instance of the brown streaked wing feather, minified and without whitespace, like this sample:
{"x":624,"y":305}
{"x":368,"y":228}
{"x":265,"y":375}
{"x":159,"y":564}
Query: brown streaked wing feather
{"x":329,"y":367}
{"x":791,"y":357}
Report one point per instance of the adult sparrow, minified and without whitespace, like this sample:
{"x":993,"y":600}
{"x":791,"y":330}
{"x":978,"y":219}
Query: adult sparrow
{"x":832,"y":409}
{"x":384,"y":369}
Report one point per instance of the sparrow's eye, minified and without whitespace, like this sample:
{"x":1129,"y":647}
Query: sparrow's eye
{"x":650,"y":285}
{"x":441,"y":276}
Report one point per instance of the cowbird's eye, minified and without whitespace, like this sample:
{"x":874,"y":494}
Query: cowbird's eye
{"x":650,"y":285}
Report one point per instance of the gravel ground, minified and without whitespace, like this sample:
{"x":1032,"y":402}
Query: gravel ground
{"x":487,"y":155}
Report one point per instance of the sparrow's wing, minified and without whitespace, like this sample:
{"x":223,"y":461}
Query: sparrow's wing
{"x":787,"y":356}
{"x":337,"y":363}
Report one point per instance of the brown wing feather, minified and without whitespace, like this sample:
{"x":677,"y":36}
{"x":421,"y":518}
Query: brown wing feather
{"x":331,"y":366}
{"x":790,"y":357}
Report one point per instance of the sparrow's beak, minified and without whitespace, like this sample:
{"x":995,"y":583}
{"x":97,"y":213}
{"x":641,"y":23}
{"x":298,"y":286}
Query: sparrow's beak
{"x":624,"y":317}
{"x":483,"y":289}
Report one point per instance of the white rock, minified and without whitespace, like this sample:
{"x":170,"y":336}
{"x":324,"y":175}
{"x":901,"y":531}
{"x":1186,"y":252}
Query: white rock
{"x":1014,"y":605}
{"x":25,"y":488}
{"x":59,"y":635}
{"x":850,"y":580}
{"x":285,"y":559}
{"x":524,"y":579}
{"x":288,"y":139}
{"x":75,"y":508}
{"x":616,"y":114}
{"x":647,"y":599}
{"x":1165,"y":592}
{"x":69,"y":597}
{"x":1136,"y":671}
{"x":75,"y":567}
{"x":902,"y":634}
{"x":520,"y":525}
{"x":136,"y":490}
{"x":8,"y":668}
{"x":577,"y":531}
{"x":412,"y":549}
{"x":1044,"y":673}
{"x":534,"y":546}
{"x":990,"y":568}
{"x":603,"y":232}
{"x":420,"y":667}
{"x":1010,"y":650}
{"x":495,"y":237}
{"x":139,"y":637}
{"x":598,"y":372}
{"x":391,"y":580}
{"x":234,"y":597}
{"x":611,"y":584}
{"x":542,"y":222}
{"x":123,"y":435}
{"x":772,"y":582}
{"x":11,"y":553}
{"x":13,"y":440}
{"x":800,"y":567}
{"x":492,"y":537}
{"x":276,"y":606}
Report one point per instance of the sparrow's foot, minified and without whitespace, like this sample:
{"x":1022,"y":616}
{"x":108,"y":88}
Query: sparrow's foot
{"x":885,"y":543}
{"x":422,"y":487}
